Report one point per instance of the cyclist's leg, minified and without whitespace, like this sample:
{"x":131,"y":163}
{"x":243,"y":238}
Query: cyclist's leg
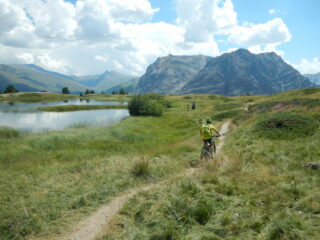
{"x":213,"y":145}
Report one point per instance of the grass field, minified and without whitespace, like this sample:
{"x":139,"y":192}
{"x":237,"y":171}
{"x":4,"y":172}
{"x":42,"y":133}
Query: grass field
{"x":51,"y":180}
{"x":35,"y":97}
{"x":256,"y":188}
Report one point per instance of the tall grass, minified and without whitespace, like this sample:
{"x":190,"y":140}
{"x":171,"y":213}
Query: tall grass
{"x":50,"y":180}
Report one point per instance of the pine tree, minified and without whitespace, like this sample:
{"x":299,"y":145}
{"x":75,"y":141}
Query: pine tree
{"x":65,"y":90}
{"x":10,"y":89}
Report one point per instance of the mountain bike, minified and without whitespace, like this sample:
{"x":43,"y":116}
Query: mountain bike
{"x":208,"y":151}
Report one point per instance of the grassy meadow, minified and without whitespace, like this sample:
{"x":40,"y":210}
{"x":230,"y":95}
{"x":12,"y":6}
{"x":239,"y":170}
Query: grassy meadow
{"x":255,"y":189}
{"x":35,"y":97}
{"x":51,"y":180}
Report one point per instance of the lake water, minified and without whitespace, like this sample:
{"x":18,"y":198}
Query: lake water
{"x":24,"y":116}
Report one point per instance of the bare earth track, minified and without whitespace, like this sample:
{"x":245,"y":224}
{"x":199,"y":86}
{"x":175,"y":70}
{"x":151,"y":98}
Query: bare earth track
{"x":89,"y":228}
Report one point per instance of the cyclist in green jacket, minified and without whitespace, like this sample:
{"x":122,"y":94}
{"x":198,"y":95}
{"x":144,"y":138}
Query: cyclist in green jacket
{"x":207,"y":131}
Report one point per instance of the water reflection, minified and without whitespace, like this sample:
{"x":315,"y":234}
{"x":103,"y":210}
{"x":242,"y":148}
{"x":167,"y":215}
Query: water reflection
{"x":39,"y":121}
{"x":32,"y":107}
{"x":24,"y":116}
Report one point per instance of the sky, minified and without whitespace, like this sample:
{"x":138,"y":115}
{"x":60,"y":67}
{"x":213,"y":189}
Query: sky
{"x":86,"y":37}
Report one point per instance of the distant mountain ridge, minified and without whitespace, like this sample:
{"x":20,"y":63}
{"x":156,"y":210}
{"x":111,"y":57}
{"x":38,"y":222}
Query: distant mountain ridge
{"x":30,"y":77}
{"x":236,"y":73}
{"x":315,"y":78}
{"x":104,"y":81}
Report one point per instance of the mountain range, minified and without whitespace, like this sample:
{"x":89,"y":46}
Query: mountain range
{"x":30,"y":77}
{"x":236,"y":73}
{"x":231,"y":74}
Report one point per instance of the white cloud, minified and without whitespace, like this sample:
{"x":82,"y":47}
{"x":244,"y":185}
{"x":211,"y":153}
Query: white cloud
{"x":275,"y":11}
{"x":92,"y":36}
{"x":26,"y":58}
{"x":308,"y":67}
{"x":266,"y":48}
{"x":272,"y":11}
{"x":133,"y":10}
{"x":48,"y":62}
{"x":100,"y":58}
{"x":203,"y":18}
{"x":272,"y":32}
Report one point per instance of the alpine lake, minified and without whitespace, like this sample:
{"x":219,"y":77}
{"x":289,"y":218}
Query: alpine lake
{"x":27,"y":117}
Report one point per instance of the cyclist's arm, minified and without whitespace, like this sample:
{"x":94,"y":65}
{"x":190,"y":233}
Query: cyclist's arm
{"x":215,"y":130}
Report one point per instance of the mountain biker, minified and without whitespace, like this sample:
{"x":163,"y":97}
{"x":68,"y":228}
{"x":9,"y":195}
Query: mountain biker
{"x":206,"y":131}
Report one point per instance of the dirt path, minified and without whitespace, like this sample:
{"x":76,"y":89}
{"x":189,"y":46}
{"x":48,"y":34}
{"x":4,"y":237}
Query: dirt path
{"x":90,"y":227}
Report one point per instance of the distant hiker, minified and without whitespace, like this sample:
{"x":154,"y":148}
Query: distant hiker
{"x":206,"y":132}
{"x":193,"y":106}
{"x":314,"y":166}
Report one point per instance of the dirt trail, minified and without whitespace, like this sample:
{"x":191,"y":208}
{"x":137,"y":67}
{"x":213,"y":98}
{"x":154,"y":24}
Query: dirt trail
{"x":89,"y":228}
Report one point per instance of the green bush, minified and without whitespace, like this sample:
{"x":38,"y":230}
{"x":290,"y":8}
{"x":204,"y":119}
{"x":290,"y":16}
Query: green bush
{"x":142,"y":105}
{"x":7,"y":132}
{"x":141,"y":168}
{"x":65,"y":90}
{"x":286,"y":126}
{"x":10,"y":89}
{"x":167,"y":104}
{"x":227,"y":114}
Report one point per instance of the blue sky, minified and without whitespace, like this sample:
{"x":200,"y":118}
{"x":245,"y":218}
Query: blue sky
{"x":91,"y":36}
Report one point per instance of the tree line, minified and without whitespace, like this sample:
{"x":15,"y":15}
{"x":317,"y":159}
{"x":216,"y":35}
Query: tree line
{"x":10,"y":89}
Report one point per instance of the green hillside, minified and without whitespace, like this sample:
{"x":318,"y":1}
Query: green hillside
{"x":255,"y":189}
{"x":34,"y":78}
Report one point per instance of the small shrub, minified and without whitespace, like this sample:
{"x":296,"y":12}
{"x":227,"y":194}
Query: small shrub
{"x":141,"y":168}
{"x":202,"y":212}
{"x":7,"y":132}
{"x":167,"y":104}
{"x":286,"y":126}
{"x":187,"y":97}
{"x":212,"y":97}
{"x":142,"y":105}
